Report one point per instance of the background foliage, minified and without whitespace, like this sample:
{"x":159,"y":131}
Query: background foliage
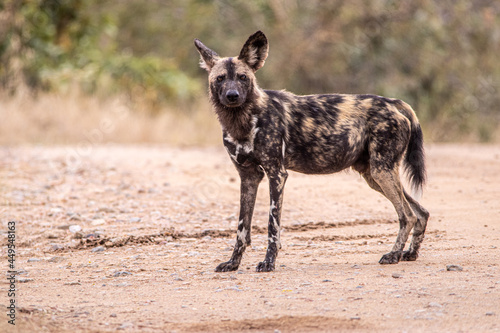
{"x":439,"y":56}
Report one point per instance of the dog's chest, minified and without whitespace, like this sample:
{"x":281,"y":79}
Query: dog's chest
{"x":241,"y":151}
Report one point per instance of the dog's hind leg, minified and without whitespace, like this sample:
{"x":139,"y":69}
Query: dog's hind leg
{"x":389,"y":184}
{"x":250,"y":179}
{"x":420,"y":225}
{"x":391,"y":187}
{"x":277,"y":181}
{"x":418,"y":230}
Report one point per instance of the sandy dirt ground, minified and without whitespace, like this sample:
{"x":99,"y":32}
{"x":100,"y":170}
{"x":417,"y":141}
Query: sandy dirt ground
{"x":126,"y":238}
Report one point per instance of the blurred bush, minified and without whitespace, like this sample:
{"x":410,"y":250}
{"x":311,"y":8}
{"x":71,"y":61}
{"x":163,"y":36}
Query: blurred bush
{"x":439,"y":56}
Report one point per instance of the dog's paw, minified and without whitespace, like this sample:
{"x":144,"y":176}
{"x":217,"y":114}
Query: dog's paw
{"x":227,"y":266}
{"x":390,"y":258}
{"x":265,"y":266}
{"x":409,"y":256}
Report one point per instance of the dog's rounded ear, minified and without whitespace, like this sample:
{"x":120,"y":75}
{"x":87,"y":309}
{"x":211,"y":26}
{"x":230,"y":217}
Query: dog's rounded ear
{"x":208,"y":57}
{"x":255,"y":50}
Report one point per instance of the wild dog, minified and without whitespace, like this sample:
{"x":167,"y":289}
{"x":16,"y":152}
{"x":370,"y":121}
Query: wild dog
{"x":269,"y":132}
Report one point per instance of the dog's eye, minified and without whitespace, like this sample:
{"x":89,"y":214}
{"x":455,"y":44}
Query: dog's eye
{"x":220,"y":78}
{"x":243,"y":77}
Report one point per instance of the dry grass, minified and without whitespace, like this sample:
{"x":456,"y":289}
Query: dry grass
{"x":77,"y":119}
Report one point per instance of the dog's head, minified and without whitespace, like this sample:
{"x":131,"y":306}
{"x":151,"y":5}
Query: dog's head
{"x":231,"y":79}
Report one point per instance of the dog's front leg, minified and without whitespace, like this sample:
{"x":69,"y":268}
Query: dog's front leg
{"x":250,"y":179}
{"x":277,"y":181}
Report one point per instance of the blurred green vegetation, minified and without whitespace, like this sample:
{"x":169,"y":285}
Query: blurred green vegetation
{"x":439,"y":56}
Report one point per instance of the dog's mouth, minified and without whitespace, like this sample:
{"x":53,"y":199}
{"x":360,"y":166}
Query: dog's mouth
{"x":232,"y":104}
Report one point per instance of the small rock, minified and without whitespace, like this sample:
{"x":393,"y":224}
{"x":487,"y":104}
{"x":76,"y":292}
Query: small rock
{"x":75,"y":228}
{"x":135,"y":219}
{"x":33,"y":260}
{"x":74,"y":283}
{"x":98,"y":249}
{"x":122,"y":273}
{"x":75,"y":217}
{"x":124,"y":326}
{"x":490,"y":313}
{"x":397,"y":275}
{"x":355,"y":318}
{"x":56,"y":210}
{"x":454,"y":268}
{"x":56,"y":259}
{"x":105,"y":210}
{"x":98,"y":222}
{"x":113,"y":315}
{"x":434,"y":305}
{"x":64,"y":226}
{"x":55,"y":247}
{"x":23,"y":280}
{"x":327,"y":280}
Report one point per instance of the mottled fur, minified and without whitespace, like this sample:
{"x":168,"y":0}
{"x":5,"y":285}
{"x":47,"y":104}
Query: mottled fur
{"x":268,"y":132}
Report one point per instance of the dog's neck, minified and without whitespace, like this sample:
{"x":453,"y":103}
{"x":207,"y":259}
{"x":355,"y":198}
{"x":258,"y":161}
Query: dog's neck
{"x":237,"y":121}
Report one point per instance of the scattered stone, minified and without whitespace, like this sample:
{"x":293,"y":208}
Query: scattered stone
{"x":105,"y":210}
{"x":135,"y":219}
{"x":434,"y":305}
{"x":356,"y":318}
{"x":75,"y":217}
{"x":327,"y":280}
{"x":64,"y":226}
{"x":98,"y":222}
{"x":122,"y":273}
{"x":454,"y":268}
{"x":33,"y":260}
{"x":56,"y":259}
{"x":98,"y":249}
{"x":74,"y":228}
{"x":397,"y":275}
{"x":490,"y":313}
{"x":74,"y":283}
{"x":113,"y":315}
{"x":56,"y":247}
{"x":92,"y":236}
{"x":125,"y":326}
{"x":23,"y":280}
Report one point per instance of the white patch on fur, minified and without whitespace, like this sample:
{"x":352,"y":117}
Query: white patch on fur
{"x":277,"y":238}
{"x":242,"y":235}
{"x":417,"y":193}
{"x":204,"y":65}
{"x":283,"y":148}
{"x":248,"y":145}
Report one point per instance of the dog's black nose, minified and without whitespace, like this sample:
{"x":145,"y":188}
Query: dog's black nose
{"x":232,"y":95}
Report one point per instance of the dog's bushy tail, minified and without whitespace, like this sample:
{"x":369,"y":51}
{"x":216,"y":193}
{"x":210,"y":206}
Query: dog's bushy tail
{"x":414,"y":161}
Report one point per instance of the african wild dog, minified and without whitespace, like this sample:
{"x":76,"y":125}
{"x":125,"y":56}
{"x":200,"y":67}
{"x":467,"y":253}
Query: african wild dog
{"x":268,"y":132}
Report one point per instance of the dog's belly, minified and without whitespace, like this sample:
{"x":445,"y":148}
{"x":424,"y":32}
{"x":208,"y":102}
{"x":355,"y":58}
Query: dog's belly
{"x":324,"y":156}
{"x":318,"y":164}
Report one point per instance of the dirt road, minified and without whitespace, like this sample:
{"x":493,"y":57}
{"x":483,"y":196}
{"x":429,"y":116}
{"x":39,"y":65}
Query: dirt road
{"x":127,"y":238}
